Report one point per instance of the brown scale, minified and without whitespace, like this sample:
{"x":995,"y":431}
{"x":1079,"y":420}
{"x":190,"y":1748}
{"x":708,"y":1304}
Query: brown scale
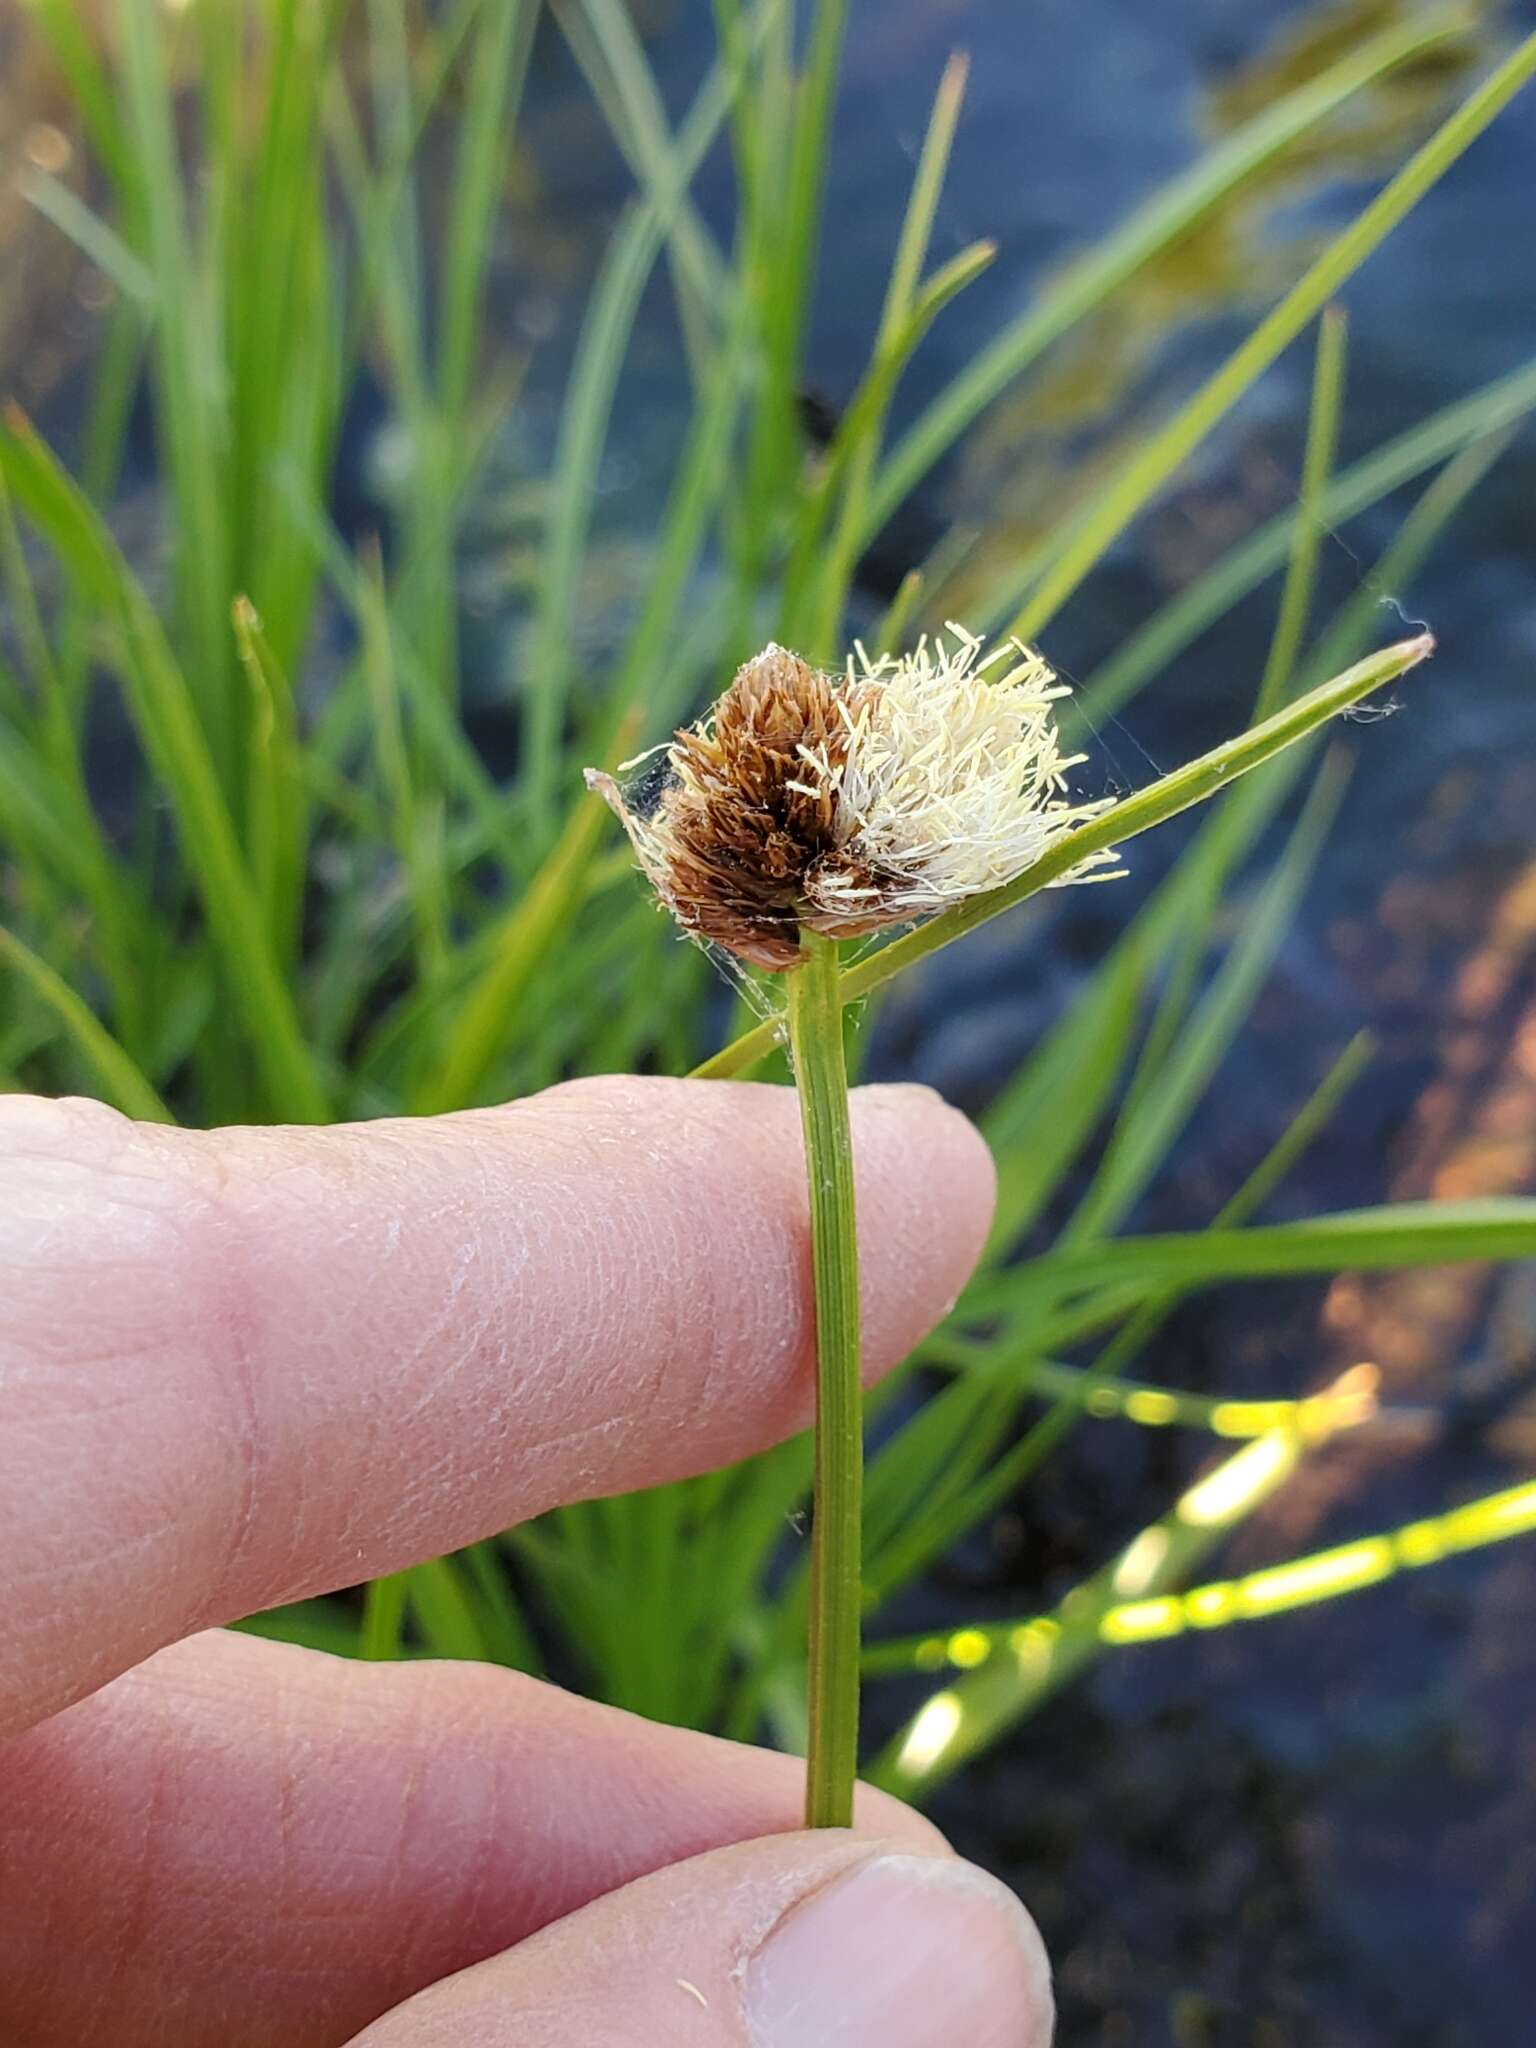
{"x":738,"y":844}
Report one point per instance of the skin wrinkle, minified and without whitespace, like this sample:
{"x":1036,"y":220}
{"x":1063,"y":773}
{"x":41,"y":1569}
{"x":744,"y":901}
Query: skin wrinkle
{"x":440,"y":1323}
{"x":146,"y":1526}
{"x":376,"y":1421}
{"x":389,"y":1412}
{"x":728,"y":1338}
{"x":302,"y":1212}
{"x":510,"y":1255}
{"x":143,"y":1508}
{"x":765,"y":1908}
{"x":237,"y":1315}
{"x":661,"y":1243}
{"x":397,"y":1885}
{"x":284,"y":1736}
{"x":487,"y":1340}
{"x":600,"y":1255}
{"x":477,"y":1876}
{"x":482,"y":1864}
{"x":139,"y":1889}
{"x":297,"y":1760}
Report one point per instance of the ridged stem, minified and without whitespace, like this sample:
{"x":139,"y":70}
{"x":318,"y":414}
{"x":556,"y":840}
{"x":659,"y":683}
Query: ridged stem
{"x":816,"y":1042}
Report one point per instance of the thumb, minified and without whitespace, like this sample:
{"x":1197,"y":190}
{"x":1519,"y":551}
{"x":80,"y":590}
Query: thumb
{"x":825,"y":1940}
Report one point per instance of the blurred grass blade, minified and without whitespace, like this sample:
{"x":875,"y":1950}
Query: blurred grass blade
{"x":1145,"y":474}
{"x":439,"y":732}
{"x":1432,"y":511}
{"x":992,"y":1291}
{"x":276,"y":805}
{"x":856,"y":439}
{"x":1307,"y":527}
{"x":1218,"y":854}
{"x":91,"y":236}
{"x":440,"y":1602}
{"x":1181,"y":621}
{"x":384,"y":1603}
{"x":1040,"y":1121}
{"x":1363,"y":1240}
{"x":1035,"y":1659}
{"x":605,"y":335}
{"x":1014,"y":1353}
{"x":68,"y":32}
{"x":796,"y":211}
{"x":120,"y":1080}
{"x":583,"y":430}
{"x":606,"y":44}
{"x":825,"y":637}
{"x":188,"y":383}
{"x":1152,"y":1120}
{"x":1257,"y":1596}
{"x":1155,"y":1407}
{"x":312,"y":1624}
{"x":1173,"y":214}
{"x":162,"y":709}
{"x":484,"y":1021}
{"x":497,"y":68}
{"x":650,"y":690}
{"x":426,"y":884}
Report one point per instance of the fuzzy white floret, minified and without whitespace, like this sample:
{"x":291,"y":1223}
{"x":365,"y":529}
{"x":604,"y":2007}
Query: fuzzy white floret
{"x":954,"y":781}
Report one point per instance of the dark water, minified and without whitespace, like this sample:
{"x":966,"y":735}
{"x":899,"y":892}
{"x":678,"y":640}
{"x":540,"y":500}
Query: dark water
{"x":1321,"y":1829}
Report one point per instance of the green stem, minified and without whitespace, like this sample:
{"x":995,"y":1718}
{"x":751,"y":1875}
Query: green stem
{"x":816,"y":1041}
{"x":384,"y":1616}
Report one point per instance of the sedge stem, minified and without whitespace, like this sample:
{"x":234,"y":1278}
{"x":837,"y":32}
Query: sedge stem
{"x":816,"y":1042}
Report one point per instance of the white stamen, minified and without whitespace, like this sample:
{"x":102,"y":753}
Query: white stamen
{"x":954,"y":781}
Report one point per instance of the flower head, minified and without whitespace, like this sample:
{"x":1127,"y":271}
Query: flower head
{"x":848,"y":803}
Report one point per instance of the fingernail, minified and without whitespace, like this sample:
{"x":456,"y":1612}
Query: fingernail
{"x":903,"y":1952}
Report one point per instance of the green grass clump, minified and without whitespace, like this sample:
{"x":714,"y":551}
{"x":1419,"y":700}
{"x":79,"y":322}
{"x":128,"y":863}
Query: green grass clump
{"x":324,"y":906}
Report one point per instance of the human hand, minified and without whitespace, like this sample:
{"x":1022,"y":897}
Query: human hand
{"x":242,"y":1367}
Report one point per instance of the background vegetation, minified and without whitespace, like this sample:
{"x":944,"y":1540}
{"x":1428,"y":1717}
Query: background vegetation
{"x":255,"y":868}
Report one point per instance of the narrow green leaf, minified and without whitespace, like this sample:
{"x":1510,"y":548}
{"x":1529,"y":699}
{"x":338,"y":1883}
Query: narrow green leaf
{"x":1039,"y":1657}
{"x":628,"y":262}
{"x":161,"y":704}
{"x":607,"y":45}
{"x":1181,"y":621}
{"x":900,"y":295}
{"x":1173,"y":213}
{"x":497,"y":68}
{"x":486,"y":1018}
{"x":1146,"y":473}
{"x":122,"y":1083}
{"x":1348,"y":1567}
{"x":1152,"y":1120}
{"x":91,"y":236}
{"x":1363,"y":1240}
{"x":191,"y":412}
{"x":1307,"y":529}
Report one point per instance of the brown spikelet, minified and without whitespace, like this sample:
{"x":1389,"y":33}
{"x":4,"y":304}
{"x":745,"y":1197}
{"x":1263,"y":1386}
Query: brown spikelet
{"x":749,"y":813}
{"x":750,"y":808}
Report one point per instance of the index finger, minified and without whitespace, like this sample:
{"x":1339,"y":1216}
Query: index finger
{"x":241,"y":1367}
